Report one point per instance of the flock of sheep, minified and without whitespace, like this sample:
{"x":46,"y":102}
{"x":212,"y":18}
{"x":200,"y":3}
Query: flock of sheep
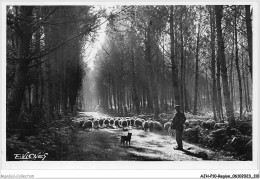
{"x":122,"y":122}
{"x":209,"y":124}
{"x":146,"y":124}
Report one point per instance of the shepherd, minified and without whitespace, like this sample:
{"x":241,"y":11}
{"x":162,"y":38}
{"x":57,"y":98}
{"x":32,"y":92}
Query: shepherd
{"x":177,"y":124}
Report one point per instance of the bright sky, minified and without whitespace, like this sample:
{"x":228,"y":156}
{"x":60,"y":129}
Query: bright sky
{"x":91,"y":50}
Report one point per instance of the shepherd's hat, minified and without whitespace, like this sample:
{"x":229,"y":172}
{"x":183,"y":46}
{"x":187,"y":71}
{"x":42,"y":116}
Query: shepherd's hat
{"x":177,"y":106}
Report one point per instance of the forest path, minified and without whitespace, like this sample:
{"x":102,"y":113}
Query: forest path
{"x":103,"y":144}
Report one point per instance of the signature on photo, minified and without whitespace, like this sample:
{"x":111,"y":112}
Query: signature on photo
{"x":30,"y":156}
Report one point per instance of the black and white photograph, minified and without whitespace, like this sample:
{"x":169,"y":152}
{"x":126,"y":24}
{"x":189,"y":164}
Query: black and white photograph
{"x":144,"y":83}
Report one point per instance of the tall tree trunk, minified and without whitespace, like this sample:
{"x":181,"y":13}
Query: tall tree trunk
{"x":213,"y":62}
{"x":144,"y":97}
{"x":182,"y":67}
{"x":37,"y":68}
{"x":135,"y":94}
{"x":238,"y":69}
{"x":152,"y":71}
{"x":248,"y":92}
{"x":196,"y":73}
{"x":231,"y":71}
{"x":174,"y":66}
{"x":221,"y":56}
{"x":121,"y":103}
{"x":21,"y":69}
{"x":150,"y":94}
{"x":110,"y":96}
{"x":29,"y":90}
{"x":163,"y":84}
{"x":149,"y":106}
{"x":114,"y":94}
{"x":248,"y":89}
{"x":155,"y":89}
{"x":244,"y":80}
{"x":207,"y":90}
{"x":249,"y":36}
{"x":186,"y":102}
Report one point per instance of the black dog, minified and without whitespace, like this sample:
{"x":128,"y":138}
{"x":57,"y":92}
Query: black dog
{"x":125,"y":139}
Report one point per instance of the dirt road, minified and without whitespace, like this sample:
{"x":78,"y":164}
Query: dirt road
{"x":103,"y":144}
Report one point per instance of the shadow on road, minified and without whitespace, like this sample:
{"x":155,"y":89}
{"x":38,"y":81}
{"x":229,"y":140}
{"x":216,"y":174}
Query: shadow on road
{"x":202,"y":155}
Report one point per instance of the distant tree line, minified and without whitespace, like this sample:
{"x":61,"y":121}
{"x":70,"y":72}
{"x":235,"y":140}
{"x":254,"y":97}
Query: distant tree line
{"x":44,"y":60}
{"x":199,"y":57}
{"x":153,"y":57}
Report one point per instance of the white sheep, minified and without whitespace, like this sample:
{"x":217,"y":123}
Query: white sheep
{"x":111,"y":122}
{"x":124,"y":124}
{"x":81,"y":123}
{"x":101,"y":122}
{"x":158,"y":126}
{"x":128,"y":122}
{"x":151,"y":125}
{"x":132,"y":122}
{"x":87,"y":125}
{"x":106,"y":122}
{"x":167,"y":125}
{"x":171,"y":132}
{"x":138,"y":122}
{"x":145,"y":125}
{"x":116,"y":123}
{"x":96,"y":123}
